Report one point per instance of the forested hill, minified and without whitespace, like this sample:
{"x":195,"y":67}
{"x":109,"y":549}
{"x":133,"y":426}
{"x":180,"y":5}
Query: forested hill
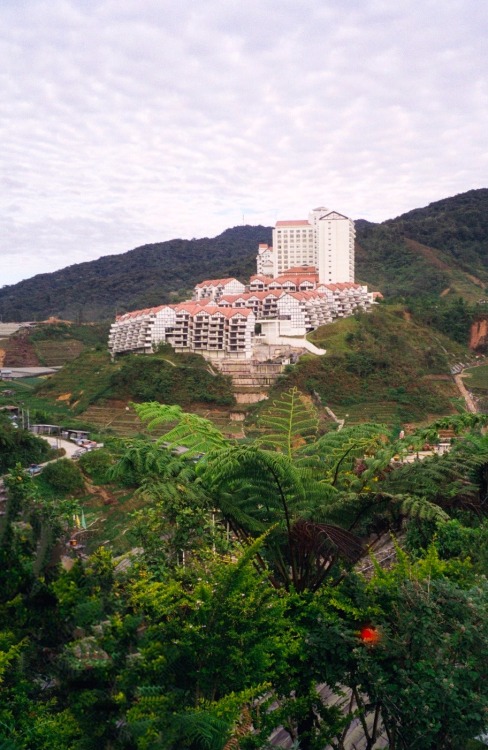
{"x":145,"y":276}
{"x":429,"y":250}
{"x":439,"y":249}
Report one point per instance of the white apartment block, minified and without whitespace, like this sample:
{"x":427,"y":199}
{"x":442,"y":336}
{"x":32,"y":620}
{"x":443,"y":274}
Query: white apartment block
{"x":213,"y":289}
{"x":325,"y":241}
{"x":264,"y":260}
{"x":317,"y":306}
{"x":207,"y":329}
{"x":226,"y":329}
{"x":305,"y":280}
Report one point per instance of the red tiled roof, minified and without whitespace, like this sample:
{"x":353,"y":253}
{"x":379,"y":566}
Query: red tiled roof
{"x":191,"y":307}
{"x":139,"y":313}
{"x":296,"y":295}
{"x":264,"y":295}
{"x":294,"y":223}
{"x":305,"y":295}
{"x":234,"y":297}
{"x":215,"y":282}
{"x":227,"y":312}
{"x":284,"y":278}
{"x":248,"y":295}
{"x":301,"y":271}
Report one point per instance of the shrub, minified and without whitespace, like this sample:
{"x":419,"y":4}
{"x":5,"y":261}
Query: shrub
{"x":96,"y":464}
{"x":64,"y":476}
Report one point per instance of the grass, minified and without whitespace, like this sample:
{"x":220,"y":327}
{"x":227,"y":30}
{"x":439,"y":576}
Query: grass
{"x":382,"y":413}
{"x":333,"y":337}
{"x":380,"y":367}
{"x":476,"y":378}
{"x":81,"y":381}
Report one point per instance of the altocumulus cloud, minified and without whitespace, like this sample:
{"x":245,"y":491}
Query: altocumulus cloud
{"x":132,"y":121}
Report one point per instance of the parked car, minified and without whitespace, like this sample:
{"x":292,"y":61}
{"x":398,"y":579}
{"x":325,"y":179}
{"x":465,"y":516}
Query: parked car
{"x":34,"y":469}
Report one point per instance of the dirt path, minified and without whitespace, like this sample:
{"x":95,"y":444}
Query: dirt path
{"x":468,"y":399}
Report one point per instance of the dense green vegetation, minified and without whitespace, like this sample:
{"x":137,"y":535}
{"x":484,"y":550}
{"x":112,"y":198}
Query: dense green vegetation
{"x":18,"y":446}
{"x":171,"y":378}
{"x":451,"y":316}
{"x":90,"y":335}
{"x":185,"y":379}
{"x":439,"y":248}
{"x":457,"y":225}
{"x":385,"y":366}
{"x":146,"y":276}
{"x":244,"y":595}
{"x":385,"y":261}
{"x":381,"y":366}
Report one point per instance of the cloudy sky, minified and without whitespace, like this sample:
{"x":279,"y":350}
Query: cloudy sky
{"x":125,"y":122}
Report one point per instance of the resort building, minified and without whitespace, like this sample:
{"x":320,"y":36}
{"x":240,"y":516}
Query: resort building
{"x":305,"y":280}
{"x":264,"y":260}
{"x":324,"y":241}
{"x":213,"y":289}
{"x":188,"y":327}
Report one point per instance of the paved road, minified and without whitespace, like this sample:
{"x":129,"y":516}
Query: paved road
{"x":56,"y":442}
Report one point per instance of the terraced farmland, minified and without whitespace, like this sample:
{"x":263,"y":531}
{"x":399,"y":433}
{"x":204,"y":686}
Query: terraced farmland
{"x":57,"y":353}
{"x":116,"y":417}
{"x":383,"y":413}
{"x":121,"y":420}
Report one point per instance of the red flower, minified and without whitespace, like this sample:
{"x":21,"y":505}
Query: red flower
{"x":369,"y":635}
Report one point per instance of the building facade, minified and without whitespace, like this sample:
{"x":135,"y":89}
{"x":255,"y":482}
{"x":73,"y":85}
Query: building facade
{"x":305,"y":280}
{"x":325,"y":241}
{"x":206,"y":329}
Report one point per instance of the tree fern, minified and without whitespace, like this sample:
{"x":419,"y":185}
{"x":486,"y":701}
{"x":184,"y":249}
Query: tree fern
{"x":197,"y":434}
{"x":288,"y":423}
{"x":266,"y":482}
{"x":419,"y":507}
{"x":141,"y":458}
{"x":202,"y":729}
{"x":452,"y":480}
{"x":336,"y":452}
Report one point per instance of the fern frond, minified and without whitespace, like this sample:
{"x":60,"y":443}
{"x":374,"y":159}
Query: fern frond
{"x":416,"y":507}
{"x":289,"y":422}
{"x":191,"y":431}
{"x":203,"y":729}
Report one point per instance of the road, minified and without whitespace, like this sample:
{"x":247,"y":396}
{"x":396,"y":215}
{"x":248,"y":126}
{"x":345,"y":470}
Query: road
{"x":470,"y":405}
{"x":56,"y":442}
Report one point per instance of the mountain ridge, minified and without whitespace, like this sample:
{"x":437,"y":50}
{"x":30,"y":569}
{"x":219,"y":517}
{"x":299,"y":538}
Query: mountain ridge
{"x":425,"y":251}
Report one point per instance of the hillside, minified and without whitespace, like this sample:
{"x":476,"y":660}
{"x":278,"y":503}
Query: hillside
{"x":145,"y":276}
{"x":184,"y":379}
{"x":384,"y":366}
{"x":51,"y":344}
{"x":441,"y":249}
{"x":380,"y":367}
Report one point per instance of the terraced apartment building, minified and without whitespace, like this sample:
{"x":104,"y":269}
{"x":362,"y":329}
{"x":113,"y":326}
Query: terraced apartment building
{"x":305,"y":280}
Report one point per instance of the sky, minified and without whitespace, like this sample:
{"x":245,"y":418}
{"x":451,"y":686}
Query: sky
{"x":126,"y":122}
